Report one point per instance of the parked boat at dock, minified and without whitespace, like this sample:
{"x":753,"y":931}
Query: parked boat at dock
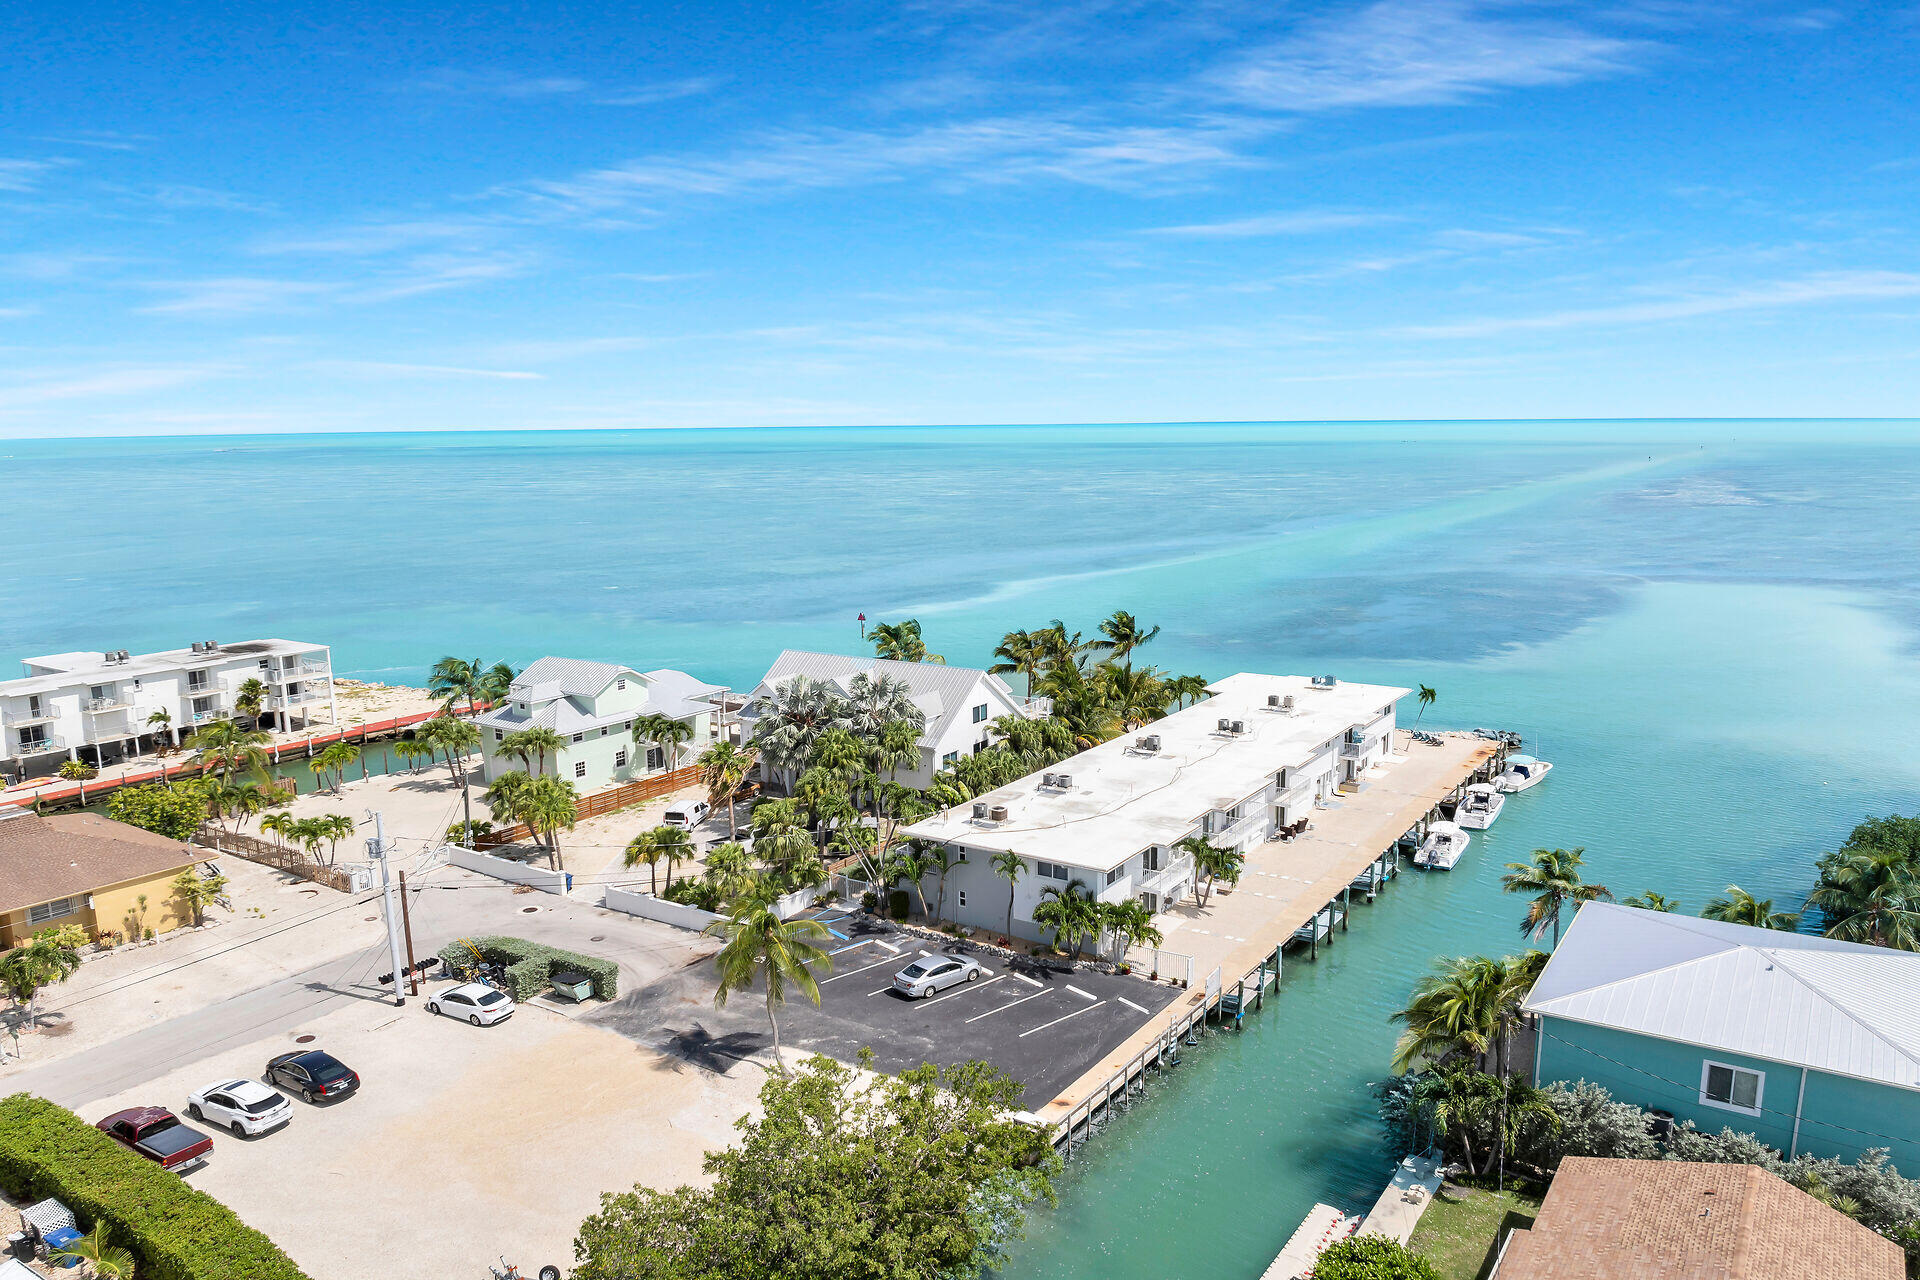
{"x":1522,"y":772}
{"x":1479,"y":806}
{"x":1443,"y":847}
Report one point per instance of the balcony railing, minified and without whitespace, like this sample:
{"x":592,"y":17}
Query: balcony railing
{"x":294,"y":699}
{"x":313,"y":664}
{"x":205,"y":717}
{"x":40,"y":746}
{"x":1164,"y":881}
{"x":112,"y":702}
{"x":42,"y":716}
{"x":1238,"y":827}
{"x":1353,"y":750}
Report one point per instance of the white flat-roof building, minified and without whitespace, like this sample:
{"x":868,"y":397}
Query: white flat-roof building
{"x":95,"y":705}
{"x":1252,"y":759}
{"x":592,"y":706}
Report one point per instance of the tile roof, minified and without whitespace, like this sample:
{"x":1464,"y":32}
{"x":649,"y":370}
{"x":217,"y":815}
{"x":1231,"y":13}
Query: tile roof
{"x":44,"y":859}
{"x":1841,"y":1007}
{"x":1678,"y":1220}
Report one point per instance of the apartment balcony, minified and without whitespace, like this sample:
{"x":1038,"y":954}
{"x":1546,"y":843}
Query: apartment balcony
{"x":1239,"y":828}
{"x":1163,"y":882}
{"x":282,"y":700}
{"x":40,"y":746}
{"x":1038,"y":707}
{"x":1351,"y":750}
{"x":112,"y":702}
{"x":313,"y":664}
{"x":46,"y":715}
{"x":208,"y":716}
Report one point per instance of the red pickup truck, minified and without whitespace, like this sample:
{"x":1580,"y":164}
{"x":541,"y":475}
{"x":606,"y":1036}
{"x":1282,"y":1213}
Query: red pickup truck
{"x":157,"y":1134}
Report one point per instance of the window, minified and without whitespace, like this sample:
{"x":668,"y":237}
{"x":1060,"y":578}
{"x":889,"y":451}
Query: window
{"x":52,"y":910}
{"x":980,"y":714}
{"x":1116,"y":873}
{"x":620,"y":685}
{"x":620,"y":758}
{"x":579,"y":768}
{"x":656,"y":758}
{"x":1734,"y":1088}
{"x":950,"y":757}
{"x":579,"y":737}
{"x":1049,"y":870}
{"x":499,"y":735}
{"x":603,"y":732}
{"x":963,"y":897}
{"x":1150,"y":859}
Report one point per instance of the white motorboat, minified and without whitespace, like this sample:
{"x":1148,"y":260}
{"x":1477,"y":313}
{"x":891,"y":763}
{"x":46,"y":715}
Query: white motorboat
{"x":1522,"y":772}
{"x":1479,"y":806}
{"x":1442,"y":848}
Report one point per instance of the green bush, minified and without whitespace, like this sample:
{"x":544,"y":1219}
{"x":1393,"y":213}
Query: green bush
{"x":530,"y":963}
{"x":175,"y":812}
{"x":174,"y":1231}
{"x":703,"y":894}
{"x":897,"y":904}
{"x":1372,"y":1258}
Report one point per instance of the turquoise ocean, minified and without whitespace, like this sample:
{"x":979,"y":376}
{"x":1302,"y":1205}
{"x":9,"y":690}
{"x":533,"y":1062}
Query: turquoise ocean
{"x":1708,"y":626}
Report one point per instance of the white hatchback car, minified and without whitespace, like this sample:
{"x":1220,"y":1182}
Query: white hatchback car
{"x":476,"y":1002}
{"x":930,"y":973}
{"x":687,"y":816}
{"x":247,"y":1107}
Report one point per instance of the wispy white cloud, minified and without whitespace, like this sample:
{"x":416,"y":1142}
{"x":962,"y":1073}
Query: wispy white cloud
{"x":23,"y":175}
{"x":512,"y":86}
{"x":108,"y":382}
{"x":1417,"y":53}
{"x":181,"y":195}
{"x":235,"y":295}
{"x":1298,"y":223}
{"x":255,"y":295}
{"x":426,"y":370}
{"x":1810,"y":290}
{"x":368,"y":239}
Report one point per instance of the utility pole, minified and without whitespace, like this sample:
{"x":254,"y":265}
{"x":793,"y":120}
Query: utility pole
{"x":406,"y":926}
{"x":377,"y":850}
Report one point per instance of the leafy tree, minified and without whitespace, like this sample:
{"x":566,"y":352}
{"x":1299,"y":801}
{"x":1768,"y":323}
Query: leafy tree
{"x":762,"y":948}
{"x":466,"y":833}
{"x":194,"y":891}
{"x":1188,"y":690}
{"x":174,"y":812}
{"x":532,"y":745}
{"x":1071,"y":914}
{"x":1131,"y":923}
{"x":731,"y":872}
{"x":455,"y":739}
{"x":1651,"y":901}
{"x":1123,"y":634}
{"x":455,"y":678}
{"x":791,"y":715}
{"x":495,"y":683}
{"x":1741,"y":907}
{"x":1021,"y":651}
{"x":1553,"y":877}
{"x":660,"y":844}
{"x":901,"y":641}
{"x":1372,"y":1258}
{"x":1468,"y":1006}
{"x":909,"y":864}
{"x":1009,"y":866}
{"x":923,"y":1176}
{"x":48,"y":957}
{"x":724,"y":767}
{"x":664,"y":732}
{"x":1872,"y":896}
{"x":1215,"y":862}
{"x":335,"y":759}
{"x":549,"y":806}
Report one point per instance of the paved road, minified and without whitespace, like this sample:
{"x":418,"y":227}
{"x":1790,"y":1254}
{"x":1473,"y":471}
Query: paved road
{"x":447,"y":905}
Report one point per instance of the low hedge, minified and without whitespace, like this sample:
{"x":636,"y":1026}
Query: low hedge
{"x":174,"y":1231}
{"x":530,"y":963}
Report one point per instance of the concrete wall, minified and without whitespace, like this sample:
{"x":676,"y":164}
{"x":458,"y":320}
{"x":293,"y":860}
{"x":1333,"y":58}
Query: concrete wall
{"x":1840,"y":1116}
{"x":505,"y":869}
{"x":647,"y":906}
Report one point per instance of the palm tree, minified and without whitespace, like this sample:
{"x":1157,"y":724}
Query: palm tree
{"x":1426,"y":697}
{"x":911,"y":865}
{"x":875,"y":701}
{"x":279,"y":826}
{"x":1187,"y":690}
{"x":162,"y":721}
{"x":412,"y":752}
{"x":49,"y":956}
{"x":455,"y":678}
{"x":225,"y":746}
{"x":1061,"y":648}
{"x":901,"y":642}
{"x":1009,"y":866}
{"x":334,"y":759}
{"x":664,"y":732}
{"x":1213,"y":861}
{"x":1741,"y":907}
{"x":1135,"y":697}
{"x":531,"y":745}
{"x":1132,"y":923}
{"x":1071,"y":914}
{"x":549,"y":806}
{"x":661,"y":844}
{"x":495,"y":683}
{"x":1553,"y":877}
{"x":1021,"y":651}
{"x":1651,"y":901}
{"x":1873,"y":897}
{"x":1123,"y":635}
{"x":730,"y":871}
{"x":455,"y":739}
{"x":249,"y":698}
{"x":105,"y":1260}
{"x":506,"y":795}
{"x":724,"y":767}
{"x":792,"y":714}
{"x":195,"y":891}
{"x":333,"y":828}
{"x":762,"y":947}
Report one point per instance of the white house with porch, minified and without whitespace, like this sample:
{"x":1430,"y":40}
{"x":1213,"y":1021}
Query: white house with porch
{"x":593,"y":706}
{"x":95,"y":706}
{"x":960,"y":703}
{"x":1253,"y":759}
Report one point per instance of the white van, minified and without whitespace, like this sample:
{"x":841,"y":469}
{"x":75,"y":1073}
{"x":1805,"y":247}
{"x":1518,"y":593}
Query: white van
{"x":687,"y":817}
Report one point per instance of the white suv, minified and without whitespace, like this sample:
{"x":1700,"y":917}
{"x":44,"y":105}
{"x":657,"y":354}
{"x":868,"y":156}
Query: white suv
{"x":245,"y":1106}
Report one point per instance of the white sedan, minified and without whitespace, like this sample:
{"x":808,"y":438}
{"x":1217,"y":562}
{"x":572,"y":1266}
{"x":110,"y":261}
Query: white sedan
{"x":932,"y":973}
{"x":476,"y":1002}
{"x":245,"y":1106}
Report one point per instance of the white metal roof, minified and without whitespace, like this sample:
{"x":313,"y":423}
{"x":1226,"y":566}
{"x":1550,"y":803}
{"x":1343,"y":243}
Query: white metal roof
{"x":88,"y":667}
{"x":561,"y":692}
{"x":937,"y":689}
{"x":1841,"y":1007}
{"x":576,"y":678}
{"x":1123,"y":799}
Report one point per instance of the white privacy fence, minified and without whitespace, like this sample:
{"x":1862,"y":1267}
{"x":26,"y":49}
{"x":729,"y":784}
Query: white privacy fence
{"x":505,"y":869}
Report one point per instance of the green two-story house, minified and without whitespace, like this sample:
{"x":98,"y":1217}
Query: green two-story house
{"x":1811,"y":1044}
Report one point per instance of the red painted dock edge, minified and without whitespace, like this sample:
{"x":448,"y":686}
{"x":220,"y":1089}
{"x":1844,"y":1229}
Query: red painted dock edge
{"x":56,"y":790}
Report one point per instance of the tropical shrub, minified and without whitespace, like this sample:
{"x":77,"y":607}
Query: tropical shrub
{"x":898,"y":904}
{"x":690,"y":892}
{"x":1372,"y":1258}
{"x":530,"y":963}
{"x":175,"y":812}
{"x":173,"y":1231}
{"x":79,"y":771}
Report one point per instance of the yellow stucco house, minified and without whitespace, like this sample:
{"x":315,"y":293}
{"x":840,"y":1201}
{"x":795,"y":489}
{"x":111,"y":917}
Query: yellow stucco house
{"x":80,"y":868}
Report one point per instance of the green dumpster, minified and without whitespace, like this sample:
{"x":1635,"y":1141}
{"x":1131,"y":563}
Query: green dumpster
{"x":572,"y":984}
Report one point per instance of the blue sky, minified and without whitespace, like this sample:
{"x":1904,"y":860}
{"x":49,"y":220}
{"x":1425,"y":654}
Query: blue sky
{"x":340,"y":217}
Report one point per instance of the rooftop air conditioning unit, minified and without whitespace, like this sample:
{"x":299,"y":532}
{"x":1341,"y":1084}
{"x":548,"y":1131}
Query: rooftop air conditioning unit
{"x":1286,"y":703}
{"x":1273,"y":700}
{"x":1064,"y":781}
{"x":212,"y":645}
{"x":998,"y":813}
{"x":110,"y":657}
{"x":198,"y":647}
{"x":1239,"y":726}
{"x":1225,"y":725}
{"x":979,"y":811}
{"x":1152,"y":741}
{"x":1046,"y":780}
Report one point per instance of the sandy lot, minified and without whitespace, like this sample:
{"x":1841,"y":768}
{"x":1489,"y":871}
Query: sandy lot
{"x":463,"y":1143}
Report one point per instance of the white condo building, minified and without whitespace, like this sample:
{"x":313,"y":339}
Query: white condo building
{"x":960,"y":703}
{"x":592,"y":706}
{"x":96,"y":706}
{"x":1255,"y":757}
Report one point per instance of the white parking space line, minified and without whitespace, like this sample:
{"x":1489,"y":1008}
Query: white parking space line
{"x":851,"y":946}
{"x":1032,"y":982}
{"x":1057,"y":1021}
{"x":966,"y":988}
{"x":1131,"y":1005}
{"x":1003,"y":1008}
{"x":849,"y":973}
{"x":888,"y":945}
{"x":1077,"y":991}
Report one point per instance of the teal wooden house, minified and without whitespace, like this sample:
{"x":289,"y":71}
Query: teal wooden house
{"x":1811,"y":1044}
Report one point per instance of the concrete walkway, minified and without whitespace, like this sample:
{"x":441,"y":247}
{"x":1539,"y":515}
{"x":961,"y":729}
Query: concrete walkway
{"x":1407,"y":1196}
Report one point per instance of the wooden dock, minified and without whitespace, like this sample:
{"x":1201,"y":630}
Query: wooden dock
{"x":1323,"y":1225}
{"x":1237,"y":939}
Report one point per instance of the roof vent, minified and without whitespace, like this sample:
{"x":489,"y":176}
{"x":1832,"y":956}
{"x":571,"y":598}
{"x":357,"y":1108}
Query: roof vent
{"x":998,"y":813}
{"x":980,"y":810}
{"x":110,"y":657}
{"x":1225,"y":725}
{"x":1064,"y":781}
{"x":1239,"y":726}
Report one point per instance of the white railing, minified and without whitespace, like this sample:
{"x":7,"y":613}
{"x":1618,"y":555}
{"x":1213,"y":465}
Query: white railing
{"x":31,"y":717}
{"x":112,"y":702}
{"x":1239,"y":826}
{"x":313,"y":664}
{"x":1168,"y":878}
{"x":39,"y":746}
{"x":207,"y":716}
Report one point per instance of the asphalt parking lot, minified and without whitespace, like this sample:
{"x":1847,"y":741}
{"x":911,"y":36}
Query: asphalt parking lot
{"x":1042,"y":1026}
